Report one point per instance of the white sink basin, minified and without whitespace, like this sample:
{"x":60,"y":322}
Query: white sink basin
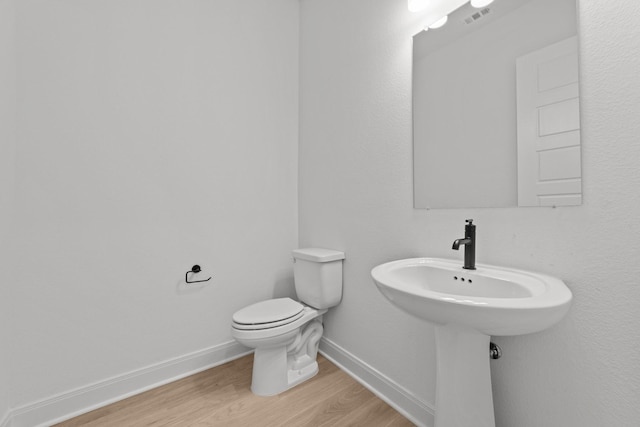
{"x":466,"y":307}
{"x":491,"y":300}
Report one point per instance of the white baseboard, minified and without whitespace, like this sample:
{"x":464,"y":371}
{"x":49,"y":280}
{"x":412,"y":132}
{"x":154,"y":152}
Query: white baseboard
{"x":398,"y":397}
{"x":84,"y":399}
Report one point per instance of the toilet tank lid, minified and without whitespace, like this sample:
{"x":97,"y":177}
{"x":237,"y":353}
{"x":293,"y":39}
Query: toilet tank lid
{"x":317,"y":254}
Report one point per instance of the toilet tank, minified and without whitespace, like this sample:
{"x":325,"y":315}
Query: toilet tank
{"x":317,"y":274}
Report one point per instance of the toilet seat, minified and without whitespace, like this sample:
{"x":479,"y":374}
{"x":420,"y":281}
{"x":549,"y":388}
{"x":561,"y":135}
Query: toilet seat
{"x":268,"y":314}
{"x":248,"y":336}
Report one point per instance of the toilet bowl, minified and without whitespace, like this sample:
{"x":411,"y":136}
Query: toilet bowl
{"x":285,"y":348}
{"x":286,"y":333}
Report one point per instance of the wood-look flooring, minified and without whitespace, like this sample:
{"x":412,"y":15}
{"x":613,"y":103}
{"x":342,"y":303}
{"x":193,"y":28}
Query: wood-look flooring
{"x":221,"y":396}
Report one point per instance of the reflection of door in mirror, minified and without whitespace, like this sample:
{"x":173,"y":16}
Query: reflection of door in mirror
{"x":549,"y":172}
{"x":465,"y":105}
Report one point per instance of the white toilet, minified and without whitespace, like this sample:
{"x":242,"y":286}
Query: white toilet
{"x":286,"y":333}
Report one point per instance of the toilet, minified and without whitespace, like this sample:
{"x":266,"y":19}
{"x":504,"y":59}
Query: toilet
{"x":286,"y":333}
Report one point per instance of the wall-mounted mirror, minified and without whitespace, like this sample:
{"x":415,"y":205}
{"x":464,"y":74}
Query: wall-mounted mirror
{"x":496,"y":118}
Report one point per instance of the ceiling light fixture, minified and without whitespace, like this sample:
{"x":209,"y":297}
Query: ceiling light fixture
{"x":439,"y":23}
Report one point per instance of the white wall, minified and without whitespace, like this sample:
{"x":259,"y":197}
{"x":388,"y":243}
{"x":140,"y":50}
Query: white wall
{"x":7,"y":153}
{"x":355,"y":195}
{"x":153,"y":135}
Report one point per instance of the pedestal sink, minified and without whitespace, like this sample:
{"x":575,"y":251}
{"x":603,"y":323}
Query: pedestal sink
{"x":467,"y":307}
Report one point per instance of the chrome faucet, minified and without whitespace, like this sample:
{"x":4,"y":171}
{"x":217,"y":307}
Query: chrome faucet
{"x":469,"y":243}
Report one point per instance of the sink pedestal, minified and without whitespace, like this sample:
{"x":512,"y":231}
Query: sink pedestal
{"x":463,"y":378}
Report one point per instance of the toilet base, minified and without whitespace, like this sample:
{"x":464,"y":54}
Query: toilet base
{"x":262,"y":385}
{"x":297,"y":376}
{"x":277,"y":369}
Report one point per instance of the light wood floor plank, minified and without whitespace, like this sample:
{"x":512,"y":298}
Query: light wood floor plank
{"x":221,"y":396}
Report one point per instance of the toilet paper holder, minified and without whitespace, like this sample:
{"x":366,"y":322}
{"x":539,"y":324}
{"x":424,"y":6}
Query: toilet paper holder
{"x":195,"y":269}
